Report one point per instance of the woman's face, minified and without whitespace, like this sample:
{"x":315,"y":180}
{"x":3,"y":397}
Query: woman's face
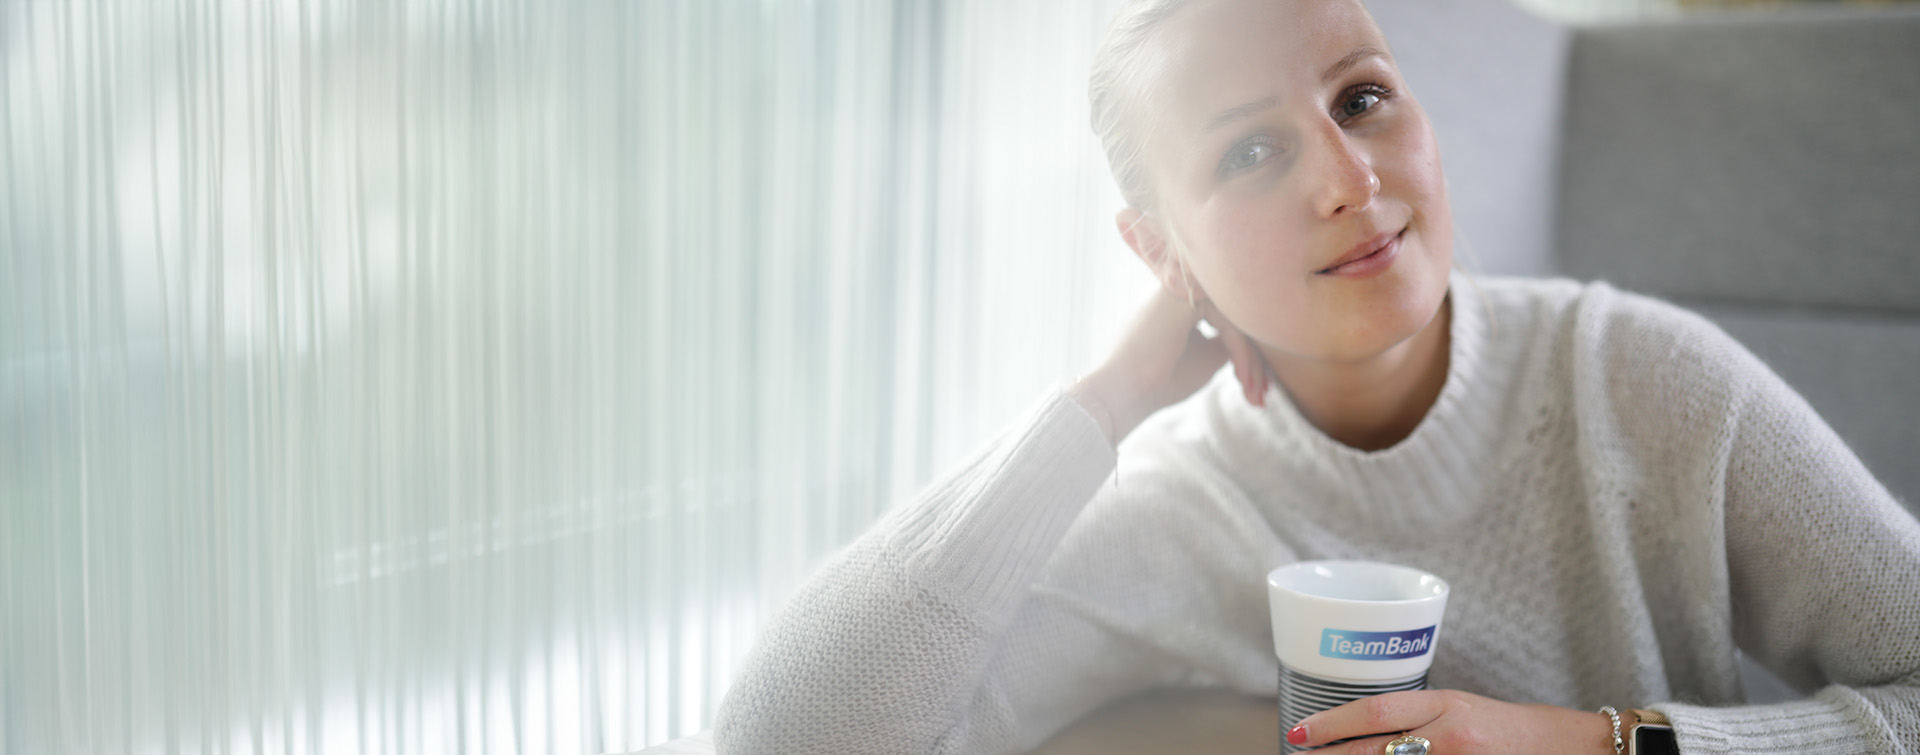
{"x":1303,"y":178}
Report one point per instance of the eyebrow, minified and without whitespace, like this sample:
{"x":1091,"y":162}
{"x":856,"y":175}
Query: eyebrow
{"x":1352,"y":59}
{"x":1334,"y":71}
{"x":1234,"y":113}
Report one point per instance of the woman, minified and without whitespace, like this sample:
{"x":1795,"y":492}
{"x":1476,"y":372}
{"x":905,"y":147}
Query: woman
{"x":1618,"y":493}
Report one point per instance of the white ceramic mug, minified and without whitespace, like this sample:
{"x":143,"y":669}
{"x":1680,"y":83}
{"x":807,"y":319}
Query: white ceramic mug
{"x":1345,"y":630}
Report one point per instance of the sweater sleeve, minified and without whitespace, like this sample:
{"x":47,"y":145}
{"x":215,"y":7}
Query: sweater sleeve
{"x":1824,"y":578}
{"x":902,"y":643}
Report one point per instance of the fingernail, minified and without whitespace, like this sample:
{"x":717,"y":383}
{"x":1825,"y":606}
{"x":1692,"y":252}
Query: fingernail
{"x":1297,"y":735}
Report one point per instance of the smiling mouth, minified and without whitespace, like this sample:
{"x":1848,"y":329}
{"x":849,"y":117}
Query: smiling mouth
{"x":1377,"y":253}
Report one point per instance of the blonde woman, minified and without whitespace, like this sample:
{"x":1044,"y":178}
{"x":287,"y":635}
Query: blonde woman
{"x":1619,"y":494}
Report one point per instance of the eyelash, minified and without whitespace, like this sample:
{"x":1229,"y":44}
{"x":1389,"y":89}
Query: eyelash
{"x":1354,"y":91}
{"x":1226,"y":161}
{"x":1381,"y":92}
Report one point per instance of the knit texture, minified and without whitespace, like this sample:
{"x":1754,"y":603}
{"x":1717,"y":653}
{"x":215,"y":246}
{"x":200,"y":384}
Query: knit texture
{"x":1619,"y":494}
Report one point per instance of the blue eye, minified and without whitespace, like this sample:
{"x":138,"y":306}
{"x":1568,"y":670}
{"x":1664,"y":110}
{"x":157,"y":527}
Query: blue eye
{"x":1359,"y":100}
{"x":1247,"y":154}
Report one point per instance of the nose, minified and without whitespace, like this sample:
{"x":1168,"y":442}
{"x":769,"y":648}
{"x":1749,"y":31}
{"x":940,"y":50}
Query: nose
{"x":1348,"y":183}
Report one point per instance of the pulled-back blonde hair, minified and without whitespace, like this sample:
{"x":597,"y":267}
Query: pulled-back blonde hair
{"x":1114,"y":91}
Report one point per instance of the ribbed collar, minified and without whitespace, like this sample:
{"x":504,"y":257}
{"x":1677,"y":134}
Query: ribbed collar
{"x":1443,"y":463}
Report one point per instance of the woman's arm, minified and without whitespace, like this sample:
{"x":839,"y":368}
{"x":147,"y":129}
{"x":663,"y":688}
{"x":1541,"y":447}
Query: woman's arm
{"x":1824,"y":573}
{"x":923,"y":636}
{"x":888,"y":647}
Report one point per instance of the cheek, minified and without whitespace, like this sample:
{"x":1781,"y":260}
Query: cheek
{"x":1417,"y":170}
{"x":1249,"y":256}
{"x":1245,"y":247}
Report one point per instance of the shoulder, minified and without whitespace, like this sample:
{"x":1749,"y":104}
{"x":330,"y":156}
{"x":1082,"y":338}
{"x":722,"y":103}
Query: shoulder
{"x":1651,"y":401}
{"x":1633,"y":376}
{"x":1650,"y":347}
{"x":1604,"y":332}
{"x":1593,"y":307}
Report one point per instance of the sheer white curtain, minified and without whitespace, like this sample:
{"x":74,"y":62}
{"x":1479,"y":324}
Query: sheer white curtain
{"x":477,"y":376}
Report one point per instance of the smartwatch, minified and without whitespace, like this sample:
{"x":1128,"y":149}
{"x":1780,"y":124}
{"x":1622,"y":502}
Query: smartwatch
{"x":1652,"y":734}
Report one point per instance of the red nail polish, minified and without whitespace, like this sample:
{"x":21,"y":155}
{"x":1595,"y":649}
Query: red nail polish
{"x":1297,"y":735}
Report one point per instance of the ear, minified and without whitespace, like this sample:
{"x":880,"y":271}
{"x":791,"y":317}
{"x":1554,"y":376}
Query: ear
{"x":1148,"y":241}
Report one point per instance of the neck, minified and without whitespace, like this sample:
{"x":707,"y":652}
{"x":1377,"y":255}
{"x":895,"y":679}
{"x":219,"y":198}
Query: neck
{"x":1373,"y":403}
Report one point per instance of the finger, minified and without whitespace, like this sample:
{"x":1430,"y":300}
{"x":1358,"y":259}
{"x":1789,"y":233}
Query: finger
{"x":1392,"y":712}
{"x":1368,"y":746}
{"x":1236,"y":349}
{"x":1200,"y":360}
{"x":1163,"y":319}
{"x":1264,"y":370}
{"x":1241,"y":373}
{"x":1248,"y":365}
{"x":1247,"y":360}
{"x":1151,"y":346}
{"x":1225,"y":339}
{"x":1173,"y":310}
{"x":1210,"y":316}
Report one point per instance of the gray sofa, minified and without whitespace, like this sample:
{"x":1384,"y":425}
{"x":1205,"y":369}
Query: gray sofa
{"x":1760,"y":168}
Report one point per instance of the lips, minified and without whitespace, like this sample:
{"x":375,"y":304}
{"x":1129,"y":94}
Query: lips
{"x":1366,"y":254}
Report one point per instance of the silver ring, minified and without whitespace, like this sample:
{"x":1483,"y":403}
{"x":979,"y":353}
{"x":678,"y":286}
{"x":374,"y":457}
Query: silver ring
{"x":1409,"y":744}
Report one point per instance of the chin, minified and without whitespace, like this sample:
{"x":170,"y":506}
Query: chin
{"x":1385,"y":318}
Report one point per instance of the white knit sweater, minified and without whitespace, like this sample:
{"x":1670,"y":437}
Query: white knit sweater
{"x":1618,"y":493}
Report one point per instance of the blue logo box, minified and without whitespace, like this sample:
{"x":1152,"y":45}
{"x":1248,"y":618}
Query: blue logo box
{"x":1375,"y":646}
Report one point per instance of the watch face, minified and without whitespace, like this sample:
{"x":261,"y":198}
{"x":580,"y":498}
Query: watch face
{"x":1654,"y":740}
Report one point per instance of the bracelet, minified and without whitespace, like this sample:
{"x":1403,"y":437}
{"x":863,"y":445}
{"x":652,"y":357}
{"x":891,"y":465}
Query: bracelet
{"x":1619,"y":745}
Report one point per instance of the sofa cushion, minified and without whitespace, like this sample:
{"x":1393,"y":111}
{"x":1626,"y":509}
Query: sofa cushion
{"x":1747,"y":159}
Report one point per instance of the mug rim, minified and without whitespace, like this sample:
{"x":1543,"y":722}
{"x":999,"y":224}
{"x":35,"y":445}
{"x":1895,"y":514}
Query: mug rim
{"x":1439,"y":585}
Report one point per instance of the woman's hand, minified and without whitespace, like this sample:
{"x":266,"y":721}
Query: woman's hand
{"x":1455,"y":723}
{"x":1164,"y":358}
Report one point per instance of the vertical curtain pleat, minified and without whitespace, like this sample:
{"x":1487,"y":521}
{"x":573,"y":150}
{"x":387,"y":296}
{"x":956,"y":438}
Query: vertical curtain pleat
{"x":481,"y":376}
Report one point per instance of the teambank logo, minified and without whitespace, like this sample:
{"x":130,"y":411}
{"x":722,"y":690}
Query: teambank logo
{"x":1375,"y":646}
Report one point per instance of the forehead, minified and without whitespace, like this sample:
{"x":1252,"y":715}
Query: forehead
{"x":1218,"y":54}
